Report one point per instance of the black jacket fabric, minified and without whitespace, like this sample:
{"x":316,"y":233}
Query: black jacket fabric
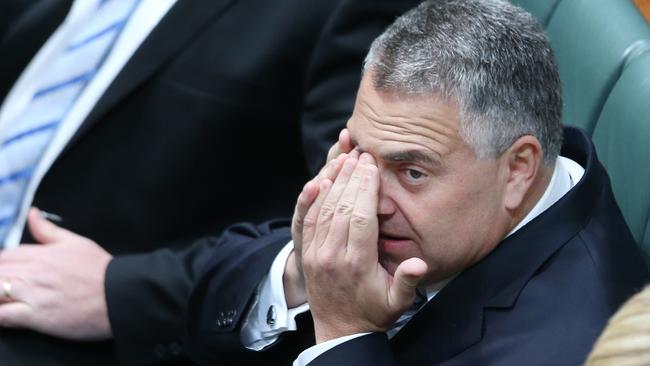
{"x":201,"y":128}
{"x":540,"y":298}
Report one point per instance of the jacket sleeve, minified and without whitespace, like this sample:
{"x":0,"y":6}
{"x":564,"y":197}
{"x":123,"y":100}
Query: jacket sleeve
{"x":369,"y":350}
{"x":222,"y":294}
{"x":147,"y":322}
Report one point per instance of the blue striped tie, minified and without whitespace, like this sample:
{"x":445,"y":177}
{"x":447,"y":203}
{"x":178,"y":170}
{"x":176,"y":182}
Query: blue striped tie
{"x":25,"y":139}
{"x":418,"y":302}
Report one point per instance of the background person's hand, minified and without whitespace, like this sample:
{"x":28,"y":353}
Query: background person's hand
{"x":57,"y":288}
{"x":348,"y":290}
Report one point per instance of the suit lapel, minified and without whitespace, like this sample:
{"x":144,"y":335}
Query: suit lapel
{"x":176,"y":30}
{"x":453,"y":320}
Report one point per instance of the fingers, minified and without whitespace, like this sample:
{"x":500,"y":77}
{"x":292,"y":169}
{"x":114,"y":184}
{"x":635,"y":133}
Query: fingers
{"x":328,"y":207}
{"x":305,"y":199}
{"x":363,"y":226}
{"x":16,"y":315}
{"x":345,"y":204}
{"x":342,"y":146}
{"x":309,"y":193}
{"x":407,"y":276}
{"x":345,"y":143}
{"x":44,"y":231}
{"x":22,"y":253}
{"x":15,"y":311}
{"x":6,"y":289}
{"x":332,"y":169}
{"x":311,"y":218}
{"x":11,"y":289}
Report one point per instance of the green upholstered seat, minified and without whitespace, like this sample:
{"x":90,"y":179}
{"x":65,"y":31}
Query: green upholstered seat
{"x":541,"y":9}
{"x":622,"y":139}
{"x":591,"y":39}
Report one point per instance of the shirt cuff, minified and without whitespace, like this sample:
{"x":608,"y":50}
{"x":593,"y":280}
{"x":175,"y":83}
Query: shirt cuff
{"x":269,"y":316}
{"x":312,"y":352}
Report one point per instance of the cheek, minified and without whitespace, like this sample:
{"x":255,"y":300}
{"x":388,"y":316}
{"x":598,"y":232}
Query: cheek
{"x":451,"y":225}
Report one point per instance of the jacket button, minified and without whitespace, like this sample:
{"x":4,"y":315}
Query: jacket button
{"x":225,"y":319}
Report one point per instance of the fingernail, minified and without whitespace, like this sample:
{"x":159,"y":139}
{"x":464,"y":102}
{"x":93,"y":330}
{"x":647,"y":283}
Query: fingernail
{"x":50,"y":216}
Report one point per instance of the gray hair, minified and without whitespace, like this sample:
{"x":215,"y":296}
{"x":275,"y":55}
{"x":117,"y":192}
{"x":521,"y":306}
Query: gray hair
{"x":490,"y":57}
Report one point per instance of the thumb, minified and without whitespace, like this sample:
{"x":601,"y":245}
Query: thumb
{"x":406,"y":278}
{"x":345,"y":143}
{"x":45,"y":231}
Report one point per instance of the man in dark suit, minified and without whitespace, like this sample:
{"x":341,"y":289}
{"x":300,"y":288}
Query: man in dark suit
{"x":216,"y":98}
{"x":462,"y":191}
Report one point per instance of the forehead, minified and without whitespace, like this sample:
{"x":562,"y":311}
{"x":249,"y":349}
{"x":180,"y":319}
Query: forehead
{"x":383,"y":123}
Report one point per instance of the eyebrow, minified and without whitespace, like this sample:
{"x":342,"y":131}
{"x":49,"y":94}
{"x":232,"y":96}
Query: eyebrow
{"x":411,"y":156}
{"x":408,"y":156}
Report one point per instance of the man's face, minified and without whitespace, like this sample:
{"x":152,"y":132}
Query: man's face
{"x":437,"y":201}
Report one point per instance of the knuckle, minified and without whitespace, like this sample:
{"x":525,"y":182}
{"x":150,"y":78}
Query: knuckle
{"x":360,"y":220}
{"x":308,"y":222}
{"x":345,"y":208}
{"x":308,"y":264}
{"x":326,"y":211}
{"x":355,"y":269}
{"x":297,"y":222}
{"x":327,"y":263}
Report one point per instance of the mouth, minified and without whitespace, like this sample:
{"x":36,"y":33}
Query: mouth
{"x":392,"y":243}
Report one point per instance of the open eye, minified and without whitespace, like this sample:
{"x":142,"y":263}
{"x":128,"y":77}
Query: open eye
{"x":414,"y":175}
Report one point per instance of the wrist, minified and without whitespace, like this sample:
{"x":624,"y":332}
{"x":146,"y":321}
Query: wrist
{"x":294,"y":283}
{"x":325,"y":332}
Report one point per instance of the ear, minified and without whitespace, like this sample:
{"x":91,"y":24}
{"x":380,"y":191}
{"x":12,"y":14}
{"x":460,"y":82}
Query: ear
{"x":522,"y":162}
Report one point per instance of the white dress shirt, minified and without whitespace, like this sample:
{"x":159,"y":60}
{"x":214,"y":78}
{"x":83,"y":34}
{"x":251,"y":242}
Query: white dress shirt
{"x":143,"y":20}
{"x":269,"y":315}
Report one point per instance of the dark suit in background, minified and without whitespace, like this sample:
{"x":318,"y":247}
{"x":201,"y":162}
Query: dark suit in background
{"x":540,"y":298}
{"x":10,"y":10}
{"x":200,"y":129}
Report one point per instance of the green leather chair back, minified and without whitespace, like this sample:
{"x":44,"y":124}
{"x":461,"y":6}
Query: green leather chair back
{"x":591,"y":40}
{"x":622,"y":139}
{"x":541,"y":9}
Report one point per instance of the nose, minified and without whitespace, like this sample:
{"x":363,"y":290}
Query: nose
{"x":385,"y":206}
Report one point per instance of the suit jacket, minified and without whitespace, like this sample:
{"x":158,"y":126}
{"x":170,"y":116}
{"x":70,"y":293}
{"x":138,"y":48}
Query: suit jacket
{"x":9,"y":11}
{"x":540,"y":298}
{"x":188,"y":138}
